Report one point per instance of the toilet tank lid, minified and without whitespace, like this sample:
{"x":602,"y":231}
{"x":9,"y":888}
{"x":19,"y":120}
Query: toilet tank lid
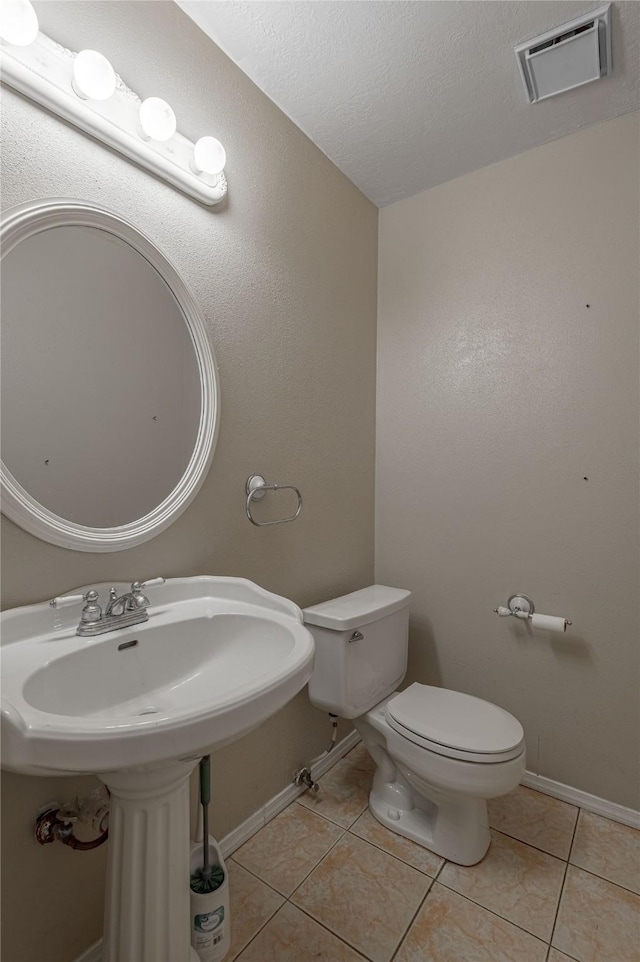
{"x":358,"y":608}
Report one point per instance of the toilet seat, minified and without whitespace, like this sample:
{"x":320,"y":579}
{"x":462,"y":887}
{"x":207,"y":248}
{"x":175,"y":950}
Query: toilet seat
{"x":456,"y":725}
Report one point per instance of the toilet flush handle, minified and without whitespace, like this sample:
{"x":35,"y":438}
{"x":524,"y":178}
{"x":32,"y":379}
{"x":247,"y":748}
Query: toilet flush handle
{"x":356,"y":636}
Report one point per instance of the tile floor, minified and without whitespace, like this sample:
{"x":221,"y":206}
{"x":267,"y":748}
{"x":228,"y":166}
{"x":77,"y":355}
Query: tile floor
{"x":325,"y":882}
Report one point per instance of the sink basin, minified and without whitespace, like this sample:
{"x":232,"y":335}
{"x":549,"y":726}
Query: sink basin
{"x":137,"y":706}
{"x":216,"y":658}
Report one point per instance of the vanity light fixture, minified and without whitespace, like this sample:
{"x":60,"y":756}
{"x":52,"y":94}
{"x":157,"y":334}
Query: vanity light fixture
{"x":209,"y":156}
{"x":157,"y":119}
{"x":84,"y":89}
{"x":93,"y":76}
{"x":19,"y":23}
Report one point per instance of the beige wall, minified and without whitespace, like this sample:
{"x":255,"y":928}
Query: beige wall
{"x":508,"y":442}
{"x":285,"y":274}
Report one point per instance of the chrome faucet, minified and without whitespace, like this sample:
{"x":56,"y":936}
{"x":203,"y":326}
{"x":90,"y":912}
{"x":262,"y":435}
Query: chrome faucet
{"x":122,"y":611}
{"x":132,"y":600}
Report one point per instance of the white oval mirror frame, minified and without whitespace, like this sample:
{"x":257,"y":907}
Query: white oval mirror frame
{"x":22,"y":222}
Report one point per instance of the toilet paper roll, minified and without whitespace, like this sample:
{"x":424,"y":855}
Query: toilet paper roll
{"x":549,"y":622}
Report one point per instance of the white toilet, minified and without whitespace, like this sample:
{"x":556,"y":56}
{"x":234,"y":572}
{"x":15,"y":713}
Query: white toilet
{"x":439,"y":754}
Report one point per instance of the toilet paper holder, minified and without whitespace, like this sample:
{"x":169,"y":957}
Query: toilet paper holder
{"x":521,"y":606}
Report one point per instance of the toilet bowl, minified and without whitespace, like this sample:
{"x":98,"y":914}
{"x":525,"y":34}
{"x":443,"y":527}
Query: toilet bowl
{"x":439,"y":754}
{"x":434,"y":791}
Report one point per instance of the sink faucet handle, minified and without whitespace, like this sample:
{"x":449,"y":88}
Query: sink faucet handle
{"x":137,"y":598}
{"x":147,"y":584}
{"x":91,"y":612}
{"x":63,"y":601}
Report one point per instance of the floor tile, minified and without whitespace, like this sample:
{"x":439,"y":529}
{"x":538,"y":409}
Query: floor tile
{"x":536,"y":819}
{"x":608,"y":849}
{"x":514,"y":880}
{"x":363,"y":895}
{"x":597,"y":921}
{"x":359,"y":757}
{"x":555,"y":956}
{"x":291,"y":936}
{"x":370,"y":829}
{"x":450,"y":928}
{"x":344,"y":790}
{"x":288,"y":848}
{"x":251,"y":904}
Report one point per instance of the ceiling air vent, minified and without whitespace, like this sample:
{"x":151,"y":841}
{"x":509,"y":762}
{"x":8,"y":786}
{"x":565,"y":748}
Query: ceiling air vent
{"x":571,"y":55}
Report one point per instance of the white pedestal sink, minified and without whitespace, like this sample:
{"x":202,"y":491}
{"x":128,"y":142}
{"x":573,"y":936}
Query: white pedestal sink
{"x":217,"y":657}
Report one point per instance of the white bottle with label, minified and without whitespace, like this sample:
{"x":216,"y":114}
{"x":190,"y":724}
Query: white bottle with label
{"x":210,"y":922}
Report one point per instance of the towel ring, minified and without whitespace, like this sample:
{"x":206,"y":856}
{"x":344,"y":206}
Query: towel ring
{"x":256,"y":488}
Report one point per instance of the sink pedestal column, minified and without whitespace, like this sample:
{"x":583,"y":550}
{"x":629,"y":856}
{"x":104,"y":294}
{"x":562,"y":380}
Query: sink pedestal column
{"x":147,"y":915}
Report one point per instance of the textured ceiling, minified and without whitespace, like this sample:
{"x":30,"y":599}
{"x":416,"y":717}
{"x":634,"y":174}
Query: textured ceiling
{"x":406,"y":94}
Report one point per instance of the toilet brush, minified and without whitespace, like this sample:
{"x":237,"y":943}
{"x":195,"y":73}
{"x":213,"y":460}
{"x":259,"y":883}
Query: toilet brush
{"x":208,"y":877}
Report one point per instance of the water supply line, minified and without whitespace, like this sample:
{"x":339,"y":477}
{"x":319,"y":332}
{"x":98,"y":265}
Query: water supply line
{"x":332,"y":743}
{"x":303,"y":775}
{"x":57,"y":824}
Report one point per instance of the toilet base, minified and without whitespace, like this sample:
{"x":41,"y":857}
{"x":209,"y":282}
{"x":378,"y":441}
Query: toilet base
{"x":435,"y":800}
{"x":457,"y":829}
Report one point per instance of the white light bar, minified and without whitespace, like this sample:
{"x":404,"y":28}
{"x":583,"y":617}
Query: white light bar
{"x":43,"y":72}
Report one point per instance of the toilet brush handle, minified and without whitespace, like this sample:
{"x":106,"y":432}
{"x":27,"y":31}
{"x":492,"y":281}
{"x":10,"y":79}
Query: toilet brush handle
{"x":205,"y":798}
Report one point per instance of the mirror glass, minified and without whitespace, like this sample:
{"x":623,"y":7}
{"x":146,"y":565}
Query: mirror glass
{"x":102,"y":379}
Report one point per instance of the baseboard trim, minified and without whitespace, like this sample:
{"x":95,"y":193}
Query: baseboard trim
{"x":279,"y":802}
{"x":591,"y":803}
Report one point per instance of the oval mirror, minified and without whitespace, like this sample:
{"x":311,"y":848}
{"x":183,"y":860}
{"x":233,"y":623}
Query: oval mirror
{"x":110,"y":398}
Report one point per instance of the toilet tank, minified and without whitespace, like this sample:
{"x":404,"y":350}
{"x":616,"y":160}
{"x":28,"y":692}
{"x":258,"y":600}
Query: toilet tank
{"x":361,"y":648}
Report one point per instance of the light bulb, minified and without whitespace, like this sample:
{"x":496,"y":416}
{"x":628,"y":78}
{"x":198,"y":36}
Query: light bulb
{"x":19,"y":23}
{"x":157,"y":119}
{"x":93,"y":76}
{"x":208,"y":156}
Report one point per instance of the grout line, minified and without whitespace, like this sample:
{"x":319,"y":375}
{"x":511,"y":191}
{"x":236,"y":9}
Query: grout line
{"x":256,"y":934}
{"x":530,"y":845}
{"x":331,"y":822}
{"x":287,"y":898}
{"x":571,"y":957}
{"x":493,"y":912}
{"x":564,"y":879}
{"x":567,"y":860}
{"x":440,"y":870}
{"x":603,"y":879}
{"x":562,"y":951}
{"x":398,"y":858}
{"x":322,"y":925}
{"x":268,"y":919}
{"x":317,"y":865}
{"x":573,"y":837}
{"x":412,"y":920}
{"x":244,"y":867}
{"x":312,"y":869}
{"x":342,"y":938}
{"x":328,"y":818}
